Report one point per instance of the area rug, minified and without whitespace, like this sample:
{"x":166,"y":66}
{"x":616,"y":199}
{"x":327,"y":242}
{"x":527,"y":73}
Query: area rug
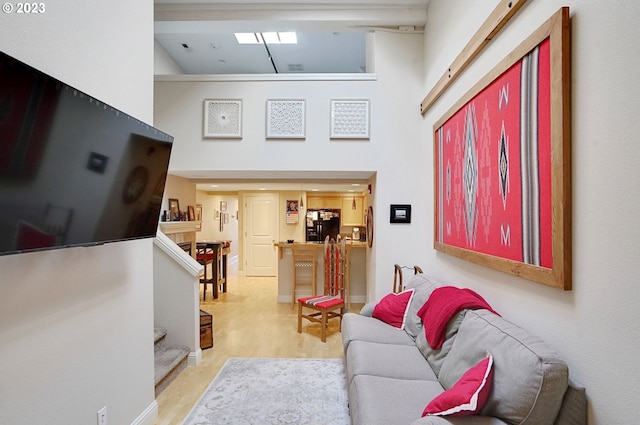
{"x":259,"y":391}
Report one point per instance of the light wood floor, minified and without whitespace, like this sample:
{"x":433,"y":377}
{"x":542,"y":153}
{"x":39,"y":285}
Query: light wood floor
{"x":247,"y":322}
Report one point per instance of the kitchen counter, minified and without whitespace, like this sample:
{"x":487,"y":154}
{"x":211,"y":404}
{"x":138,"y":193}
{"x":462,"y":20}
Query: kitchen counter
{"x":357,"y":270}
{"x":282,"y":245}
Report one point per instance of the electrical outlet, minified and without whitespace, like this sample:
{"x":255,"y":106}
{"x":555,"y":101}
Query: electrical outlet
{"x":102,"y":416}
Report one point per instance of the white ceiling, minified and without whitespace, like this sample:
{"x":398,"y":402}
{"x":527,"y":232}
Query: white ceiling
{"x":332,"y":39}
{"x":220,"y":53}
{"x":331,"y":33}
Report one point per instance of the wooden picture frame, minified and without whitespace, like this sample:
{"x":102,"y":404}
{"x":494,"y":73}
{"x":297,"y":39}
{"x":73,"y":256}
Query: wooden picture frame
{"x":174,"y":209}
{"x":491,"y":208}
{"x":198,"y":217}
{"x":369,"y":228}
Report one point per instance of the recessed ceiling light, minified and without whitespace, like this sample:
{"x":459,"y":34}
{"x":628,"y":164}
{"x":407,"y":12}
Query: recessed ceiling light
{"x":214,"y":185}
{"x":262,"y":188}
{"x":355,"y":184}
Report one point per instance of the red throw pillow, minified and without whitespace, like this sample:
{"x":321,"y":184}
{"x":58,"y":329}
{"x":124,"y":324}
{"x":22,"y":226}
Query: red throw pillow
{"x":393,"y":308}
{"x":467,"y":396}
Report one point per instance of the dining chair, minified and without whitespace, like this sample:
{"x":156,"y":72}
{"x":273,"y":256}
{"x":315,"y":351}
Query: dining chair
{"x":304,"y":270}
{"x":331,"y":304}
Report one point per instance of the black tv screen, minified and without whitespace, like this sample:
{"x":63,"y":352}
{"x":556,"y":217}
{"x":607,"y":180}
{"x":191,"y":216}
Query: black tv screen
{"x":73,"y":170}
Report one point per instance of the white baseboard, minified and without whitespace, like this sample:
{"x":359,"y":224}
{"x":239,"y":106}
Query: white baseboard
{"x":284,"y":299}
{"x":358,"y":299}
{"x":195,"y":357}
{"x":149,"y":416}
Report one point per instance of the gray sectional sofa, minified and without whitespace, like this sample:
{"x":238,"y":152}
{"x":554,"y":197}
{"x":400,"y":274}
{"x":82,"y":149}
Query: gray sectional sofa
{"x":392,"y":374}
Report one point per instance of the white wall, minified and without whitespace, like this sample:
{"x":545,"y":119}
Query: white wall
{"x":594,"y":326}
{"x":76,"y":333}
{"x":181,"y":189}
{"x":211,"y":225}
{"x":395,"y":150}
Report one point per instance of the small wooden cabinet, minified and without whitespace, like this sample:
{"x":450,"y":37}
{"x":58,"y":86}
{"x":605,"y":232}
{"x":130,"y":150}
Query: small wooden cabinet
{"x":206,"y":330}
{"x":349,"y":216}
{"x":332,"y":203}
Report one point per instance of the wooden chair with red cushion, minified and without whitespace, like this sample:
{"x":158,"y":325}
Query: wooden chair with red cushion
{"x":304,"y":270}
{"x":331,"y":304}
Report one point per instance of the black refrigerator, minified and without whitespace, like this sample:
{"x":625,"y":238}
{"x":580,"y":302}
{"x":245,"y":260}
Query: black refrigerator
{"x":322,"y":223}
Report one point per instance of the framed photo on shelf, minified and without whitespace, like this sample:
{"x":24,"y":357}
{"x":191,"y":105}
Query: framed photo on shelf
{"x":174,"y":210}
{"x":286,"y":119}
{"x":222,"y":119}
{"x":198,"y":215}
{"x":349,"y":119}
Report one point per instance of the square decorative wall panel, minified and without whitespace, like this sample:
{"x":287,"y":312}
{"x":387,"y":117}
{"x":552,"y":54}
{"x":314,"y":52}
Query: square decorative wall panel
{"x":349,"y":119}
{"x":223,"y":118}
{"x":285,"y":119}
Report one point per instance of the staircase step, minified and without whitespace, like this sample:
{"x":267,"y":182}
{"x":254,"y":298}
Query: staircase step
{"x":169,"y":362}
{"x":159,"y":334}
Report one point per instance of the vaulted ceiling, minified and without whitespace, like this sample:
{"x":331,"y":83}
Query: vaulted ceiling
{"x":198,"y":35}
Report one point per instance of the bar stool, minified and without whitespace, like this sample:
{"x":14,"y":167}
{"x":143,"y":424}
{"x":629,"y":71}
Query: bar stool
{"x":205,"y":256}
{"x":304,"y":270}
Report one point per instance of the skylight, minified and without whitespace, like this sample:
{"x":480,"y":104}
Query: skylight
{"x":268,"y":37}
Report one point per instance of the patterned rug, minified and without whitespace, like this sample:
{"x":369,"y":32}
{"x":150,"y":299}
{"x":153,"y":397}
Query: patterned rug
{"x":249,"y":391}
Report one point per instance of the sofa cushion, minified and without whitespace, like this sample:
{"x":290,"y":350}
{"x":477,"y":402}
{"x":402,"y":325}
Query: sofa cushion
{"x":423,"y":286}
{"x":388,"y":360}
{"x":375,"y":400}
{"x":367,"y":309}
{"x":529,"y":378}
{"x":468,"y":395}
{"x":442,"y":305}
{"x":436,"y":356}
{"x":392,"y":308}
{"x":356,"y":327}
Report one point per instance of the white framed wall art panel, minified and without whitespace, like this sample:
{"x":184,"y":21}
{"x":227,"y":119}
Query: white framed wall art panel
{"x":222,"y":119}
{"x":286,"y":118}
{"x":349,"y":119}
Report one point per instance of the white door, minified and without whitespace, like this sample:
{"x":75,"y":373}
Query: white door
{"x":261,"y":224}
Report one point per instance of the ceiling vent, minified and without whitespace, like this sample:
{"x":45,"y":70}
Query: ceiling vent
{"x":296,"y":67}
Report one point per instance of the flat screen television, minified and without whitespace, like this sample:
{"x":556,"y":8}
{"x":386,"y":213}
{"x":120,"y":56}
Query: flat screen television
{"x":73,"y":170}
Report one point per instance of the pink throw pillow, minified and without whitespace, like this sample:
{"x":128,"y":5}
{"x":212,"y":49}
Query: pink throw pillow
{"x":393,"y":308}
{"x":467,"y":396}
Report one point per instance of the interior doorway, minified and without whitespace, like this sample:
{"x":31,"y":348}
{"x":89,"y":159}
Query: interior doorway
{"x":260,"y":233}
